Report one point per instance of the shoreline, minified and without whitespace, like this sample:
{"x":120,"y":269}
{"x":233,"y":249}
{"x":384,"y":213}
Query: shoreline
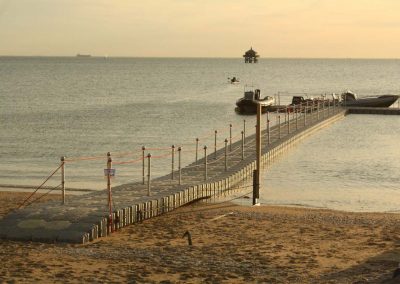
{"x":26,"y":187}
{"x":244,"y":200}
{"x":231,"y":244}
{"x":44,"y":190}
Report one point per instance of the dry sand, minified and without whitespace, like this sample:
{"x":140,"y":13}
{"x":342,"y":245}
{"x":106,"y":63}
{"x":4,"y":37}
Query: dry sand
{"x":231,"y":244}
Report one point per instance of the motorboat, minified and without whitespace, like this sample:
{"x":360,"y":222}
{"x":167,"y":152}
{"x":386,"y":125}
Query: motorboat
{"x":350,"y":99}
{"x":248,"y":103}
{"x":233,"y":80}
{"x":300,"y":100}
{"x":302,"y":103}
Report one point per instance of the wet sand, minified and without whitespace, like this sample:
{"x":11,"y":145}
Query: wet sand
{"x":231,"y":244}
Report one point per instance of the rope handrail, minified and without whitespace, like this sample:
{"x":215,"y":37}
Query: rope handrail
{"x":117,"y":154}
{"x":229,"y":153}
{"x":128,"y":162}
{"x":43,"y":195}
{"x":187,"y":150}
{"x":124,"y":154}
{"x":189,"y":144}
{"x":40,"y":186}
{"x":220,"y":144}
{"x":159,"y":149}
{"x":161,"y":156}
{"x":84,"y":158}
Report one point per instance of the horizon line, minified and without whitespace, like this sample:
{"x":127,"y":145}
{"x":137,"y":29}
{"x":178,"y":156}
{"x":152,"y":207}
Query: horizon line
{"x":193,"y":57}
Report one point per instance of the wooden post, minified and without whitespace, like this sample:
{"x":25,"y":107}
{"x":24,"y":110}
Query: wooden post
{"x":326,"y":109}
{"x":244,"y":131}
{"x":329,"y":107}
{"x":256,"y":188}
{"x":226,"y":155}
{"x":215,"y":145}
{"x":230,"y":137}
{"x":257,"y":172}
{"x":143,"y":176}
{"x":305,"y":116}
{"x":205,"y":162}
{"x":148,"y":173}
{"x":297,"y":119}
{"x":268,"y":130}
{"x":288,"y":123}
{"x":279,"y":124}
{"x":63,"y":179}
{"x":318,"y":110}
{"x":179,"y":165}
{"x":286,"y":112}
{"x":197,"y":148}
{"x":172,"y":161}
{"x":293,"y":112}
{"x":242,"y":145}
{"x":109,"y":166}
{"x":307,"y":110}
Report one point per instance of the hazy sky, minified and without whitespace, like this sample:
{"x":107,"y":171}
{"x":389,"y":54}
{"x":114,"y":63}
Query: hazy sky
{"x":201,"y":28}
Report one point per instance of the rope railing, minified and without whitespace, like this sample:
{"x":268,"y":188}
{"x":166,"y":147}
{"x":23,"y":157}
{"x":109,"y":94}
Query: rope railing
{"x":40,"y":186}
{"x":216,"y":154}
{"x":124,"y":154}
{"x":161,"y":156}
{"x":43,"y":195}
{"x":129,"y":162}
{"x":76,"y":159}
{"x":159,"y":149}
{"x":222,"y":155}
{"x":222,"y":147}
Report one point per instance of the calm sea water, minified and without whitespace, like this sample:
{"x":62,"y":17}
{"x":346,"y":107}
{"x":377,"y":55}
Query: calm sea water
{"x":353,"y":165}
{"x":85,"y":107}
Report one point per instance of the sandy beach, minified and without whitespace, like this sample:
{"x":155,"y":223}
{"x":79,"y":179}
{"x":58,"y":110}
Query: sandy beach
{"x":231,"y":244}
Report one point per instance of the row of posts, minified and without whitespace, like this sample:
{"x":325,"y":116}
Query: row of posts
{"x":243,"y":133}
{"x":243,"y":137}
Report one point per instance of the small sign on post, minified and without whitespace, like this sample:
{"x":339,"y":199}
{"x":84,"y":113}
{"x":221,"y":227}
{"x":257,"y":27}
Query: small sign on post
{"x":109,"y":172}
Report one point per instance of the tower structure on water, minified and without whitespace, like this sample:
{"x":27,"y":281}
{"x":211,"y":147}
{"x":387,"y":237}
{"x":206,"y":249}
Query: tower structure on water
{"x":251,"y":56}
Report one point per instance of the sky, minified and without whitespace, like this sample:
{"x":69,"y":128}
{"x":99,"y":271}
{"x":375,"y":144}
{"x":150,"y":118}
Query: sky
{"x":201,"y":28}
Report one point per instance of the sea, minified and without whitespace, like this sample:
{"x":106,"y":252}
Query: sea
{"x":82,"y":108}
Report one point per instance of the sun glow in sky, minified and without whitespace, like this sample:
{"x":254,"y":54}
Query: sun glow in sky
{"x":201,"y":28}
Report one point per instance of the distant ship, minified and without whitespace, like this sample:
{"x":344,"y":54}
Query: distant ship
{"x":83,"y":55}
